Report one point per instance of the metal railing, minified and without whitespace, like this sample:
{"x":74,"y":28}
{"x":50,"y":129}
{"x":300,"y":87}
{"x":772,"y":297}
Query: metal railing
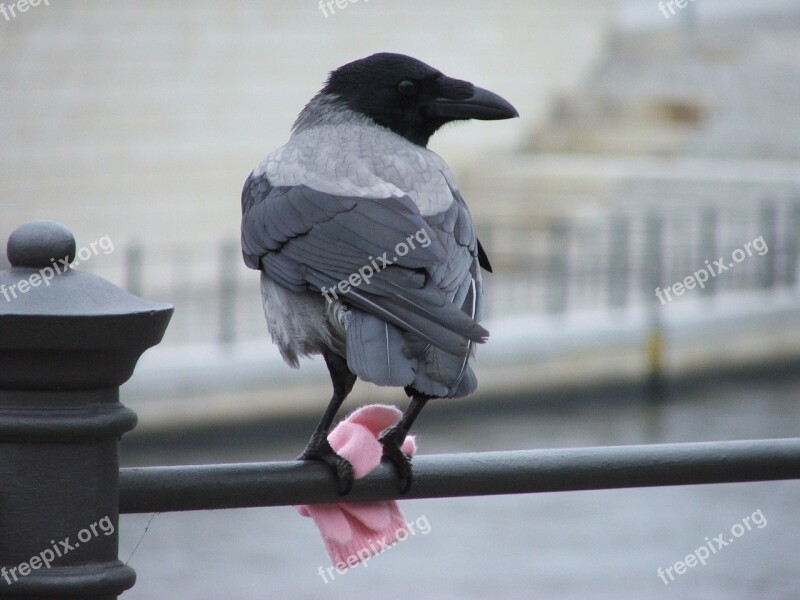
{"x":164,"y":489}
{"x":65,"y":349}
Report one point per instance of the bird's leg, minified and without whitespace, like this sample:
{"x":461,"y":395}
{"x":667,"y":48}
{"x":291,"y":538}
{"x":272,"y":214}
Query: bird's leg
{"x":318,"y":447}
{"x":392,"y":439}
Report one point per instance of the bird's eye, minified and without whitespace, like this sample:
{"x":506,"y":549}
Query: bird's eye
{"x":408,"y":87}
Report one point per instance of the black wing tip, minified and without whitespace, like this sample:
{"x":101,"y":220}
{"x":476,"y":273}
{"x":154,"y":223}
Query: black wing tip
{"x":483,"y":258}
{"x":481,"y":335}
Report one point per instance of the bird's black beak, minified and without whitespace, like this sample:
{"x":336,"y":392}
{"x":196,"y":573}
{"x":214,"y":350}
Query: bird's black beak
{"x":482,"y":104}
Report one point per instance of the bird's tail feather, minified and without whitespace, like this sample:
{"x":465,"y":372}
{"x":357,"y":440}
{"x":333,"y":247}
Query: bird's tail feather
{"x":375,"y":351}
{"x":434,"y":333}
{"x":442,"y":374}
{"x":380,"y":353}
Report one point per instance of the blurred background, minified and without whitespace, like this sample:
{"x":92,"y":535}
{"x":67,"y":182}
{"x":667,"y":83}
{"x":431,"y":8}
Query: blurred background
{"x":654,"y":141}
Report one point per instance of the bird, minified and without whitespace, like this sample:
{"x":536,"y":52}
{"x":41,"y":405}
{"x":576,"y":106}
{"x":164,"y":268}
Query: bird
{"x":367,"y":252}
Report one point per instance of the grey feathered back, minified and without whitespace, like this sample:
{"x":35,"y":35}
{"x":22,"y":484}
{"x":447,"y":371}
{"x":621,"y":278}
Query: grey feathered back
{"x":416,"y":321}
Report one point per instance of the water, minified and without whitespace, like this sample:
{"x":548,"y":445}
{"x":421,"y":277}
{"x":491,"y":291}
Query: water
{"x":604,"y":544}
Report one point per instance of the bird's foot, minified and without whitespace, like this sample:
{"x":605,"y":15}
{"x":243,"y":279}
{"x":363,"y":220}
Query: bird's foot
{"x":320,"y":449}
{"x":391,"y":442}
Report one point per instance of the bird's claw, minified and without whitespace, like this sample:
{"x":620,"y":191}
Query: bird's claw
{"x":402,"y":462}
{"x":342,"y":469}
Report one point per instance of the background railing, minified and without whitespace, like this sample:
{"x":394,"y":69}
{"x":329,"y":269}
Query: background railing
{"x":552,"y":264}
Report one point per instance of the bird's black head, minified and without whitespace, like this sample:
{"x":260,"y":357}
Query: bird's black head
{"x":411,"y":98}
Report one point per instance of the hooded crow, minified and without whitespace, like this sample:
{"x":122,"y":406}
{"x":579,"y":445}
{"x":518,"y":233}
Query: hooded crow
{"x":367,"y":251}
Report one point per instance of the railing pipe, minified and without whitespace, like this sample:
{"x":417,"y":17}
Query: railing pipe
{"x":162,"y":489}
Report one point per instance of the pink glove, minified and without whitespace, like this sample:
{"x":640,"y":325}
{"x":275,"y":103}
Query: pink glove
{"x":355,"y":531}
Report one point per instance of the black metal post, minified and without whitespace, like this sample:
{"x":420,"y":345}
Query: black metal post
{"x":68,"y":340}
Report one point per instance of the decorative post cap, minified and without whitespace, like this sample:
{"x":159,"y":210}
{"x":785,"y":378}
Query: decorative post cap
{"x":93,"y":331}
{"x":38,"y":243}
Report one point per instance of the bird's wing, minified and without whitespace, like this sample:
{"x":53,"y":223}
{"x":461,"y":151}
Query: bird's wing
{"x":459,"y":277}
{"x":304,"y":239}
